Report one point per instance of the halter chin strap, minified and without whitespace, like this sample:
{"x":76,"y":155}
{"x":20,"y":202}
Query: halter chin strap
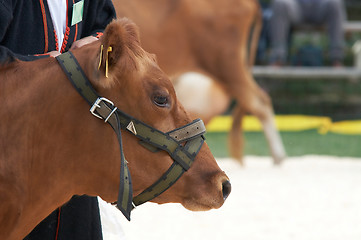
{"x":152,"y":139}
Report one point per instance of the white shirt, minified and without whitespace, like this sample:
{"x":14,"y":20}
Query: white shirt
{"x":58,"y":16}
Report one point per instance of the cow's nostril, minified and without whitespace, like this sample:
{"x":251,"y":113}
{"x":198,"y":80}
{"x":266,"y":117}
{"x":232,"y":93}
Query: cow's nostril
{"x":226,"y":189}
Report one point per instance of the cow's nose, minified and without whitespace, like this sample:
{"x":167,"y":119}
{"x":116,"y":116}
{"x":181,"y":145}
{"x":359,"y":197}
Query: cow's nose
{"x":226,"y":189}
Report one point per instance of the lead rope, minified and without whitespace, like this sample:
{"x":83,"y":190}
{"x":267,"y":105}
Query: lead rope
{"x":77,"y":77}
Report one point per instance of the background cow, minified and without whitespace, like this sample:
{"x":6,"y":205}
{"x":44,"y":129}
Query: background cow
{"x":52,"y":148}
{"x":209,"y":37}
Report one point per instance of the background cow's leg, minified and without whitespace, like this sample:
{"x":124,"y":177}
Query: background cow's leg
{"x":235,"y":139}
{"x":255,"y":101}
{"x":252,"y":99}
{"x":273,"y":138}
{"x":202,"y":96}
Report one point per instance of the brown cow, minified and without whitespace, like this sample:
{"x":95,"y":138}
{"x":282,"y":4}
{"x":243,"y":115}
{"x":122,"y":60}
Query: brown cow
{"x":208,"y":37}
{"x":52,"y":148}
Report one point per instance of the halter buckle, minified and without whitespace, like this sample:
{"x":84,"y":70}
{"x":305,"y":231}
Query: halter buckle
{"x":97,"y":105}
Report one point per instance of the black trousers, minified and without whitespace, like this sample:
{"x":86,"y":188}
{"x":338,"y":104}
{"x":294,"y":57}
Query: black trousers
{"x":79,"y":219}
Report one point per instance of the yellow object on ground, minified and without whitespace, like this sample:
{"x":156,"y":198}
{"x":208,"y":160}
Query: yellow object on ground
{"x":289,"y":123}
{"x":347,"y":127}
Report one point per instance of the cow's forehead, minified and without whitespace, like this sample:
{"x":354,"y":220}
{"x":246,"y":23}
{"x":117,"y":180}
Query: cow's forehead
{"x":148,"y":67}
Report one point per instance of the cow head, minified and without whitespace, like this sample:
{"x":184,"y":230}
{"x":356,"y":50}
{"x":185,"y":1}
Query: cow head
{"x":124,"y":73}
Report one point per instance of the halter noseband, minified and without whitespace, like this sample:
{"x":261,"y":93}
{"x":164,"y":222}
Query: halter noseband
{"x":152,"y":139}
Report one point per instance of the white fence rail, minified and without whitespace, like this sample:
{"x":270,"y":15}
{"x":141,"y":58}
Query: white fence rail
{"x":292,"y":73}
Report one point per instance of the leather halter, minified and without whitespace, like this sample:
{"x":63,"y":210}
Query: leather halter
{"x":182,"y":144}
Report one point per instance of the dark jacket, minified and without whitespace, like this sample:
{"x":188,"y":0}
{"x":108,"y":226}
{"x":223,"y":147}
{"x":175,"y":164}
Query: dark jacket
{"x":79,"y":219}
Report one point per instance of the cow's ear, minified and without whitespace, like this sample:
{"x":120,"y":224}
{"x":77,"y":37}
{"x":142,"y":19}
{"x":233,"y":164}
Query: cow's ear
{"x":119,"y":45}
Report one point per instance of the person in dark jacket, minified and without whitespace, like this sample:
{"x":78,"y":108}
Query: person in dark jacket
{"x":32,"y":29}
{"x":28,"y":27}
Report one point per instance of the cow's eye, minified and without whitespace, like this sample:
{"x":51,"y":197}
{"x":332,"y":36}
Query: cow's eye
{"x":161,"y":100}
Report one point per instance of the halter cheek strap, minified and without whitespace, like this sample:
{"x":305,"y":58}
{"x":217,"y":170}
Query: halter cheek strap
{"x":182,"y":144}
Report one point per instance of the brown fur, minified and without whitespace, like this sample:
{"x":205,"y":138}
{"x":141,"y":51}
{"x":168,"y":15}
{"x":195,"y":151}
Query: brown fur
{"x":211,"y":37}
{"x":52,"y":148}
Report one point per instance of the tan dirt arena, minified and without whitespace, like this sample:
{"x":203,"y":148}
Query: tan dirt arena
{"x":308,"y":198}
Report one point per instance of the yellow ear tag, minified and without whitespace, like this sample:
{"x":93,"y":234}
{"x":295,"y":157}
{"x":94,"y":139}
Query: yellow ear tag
{"x":106,"y":61}
{"x":100,"y":56}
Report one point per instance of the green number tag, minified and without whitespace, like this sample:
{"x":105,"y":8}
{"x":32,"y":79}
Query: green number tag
{"x":77,"y":12}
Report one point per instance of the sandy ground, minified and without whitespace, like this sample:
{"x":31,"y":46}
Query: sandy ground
{"x":308,"y":198}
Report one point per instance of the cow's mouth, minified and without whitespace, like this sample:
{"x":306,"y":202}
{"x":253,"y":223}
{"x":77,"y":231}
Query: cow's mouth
{"x":208,"y":202}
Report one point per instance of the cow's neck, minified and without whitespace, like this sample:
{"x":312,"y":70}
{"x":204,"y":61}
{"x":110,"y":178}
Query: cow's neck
{"x":62,"y":146}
